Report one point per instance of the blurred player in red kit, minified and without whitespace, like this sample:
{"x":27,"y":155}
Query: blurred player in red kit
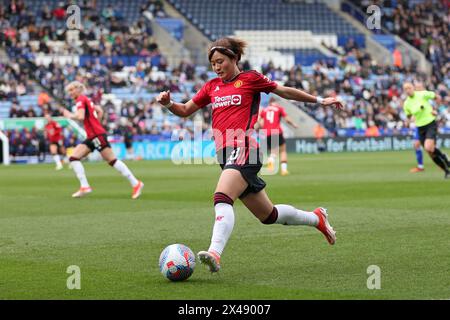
{"x":91,"y":115}
{"x":270,"y":121}
{"x":53,"y":133}
{"x":234,"y":97}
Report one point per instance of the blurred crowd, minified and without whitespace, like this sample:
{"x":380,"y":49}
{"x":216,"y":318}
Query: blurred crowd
{"x":372,"y":93}
{"x":425,"y":25}
{"x":14,"y":81}
{"x":114,"y":34}
{"x":102,"y":34}
{"x":107,"y":39}
{"x":32,"y":142}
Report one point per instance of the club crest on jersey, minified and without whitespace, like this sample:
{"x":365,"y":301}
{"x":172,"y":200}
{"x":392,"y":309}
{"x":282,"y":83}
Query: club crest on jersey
{"x":238,"y":84}
{"x":227,"y":101}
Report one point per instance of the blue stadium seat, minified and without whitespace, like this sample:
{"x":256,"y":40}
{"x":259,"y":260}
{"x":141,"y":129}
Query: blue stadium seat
{"x":129,"y":9}
{"x":261,"y":15}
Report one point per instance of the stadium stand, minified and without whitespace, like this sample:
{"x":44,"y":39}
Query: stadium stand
{"x":423,"y":24}
{"x":270,"y":27}
{"x":261,"y":15}
{"x":124,"y":68}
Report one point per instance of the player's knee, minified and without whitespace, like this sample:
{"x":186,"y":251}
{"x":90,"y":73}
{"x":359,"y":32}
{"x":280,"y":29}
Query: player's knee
{"x":271,"y":218}
{"x":71,"y":159}
{"x":220,"y":197}
{"x":112,"y":163}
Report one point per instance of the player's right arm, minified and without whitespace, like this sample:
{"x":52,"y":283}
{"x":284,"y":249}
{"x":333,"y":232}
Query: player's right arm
{"x":99,"y":111}
{"x":179,"y":109}
{"x":289,"y":121}
{"x":78,"y":115}
{"x":429,"y":95}
{"x":260,"y":122}
{"x":408,"y":113}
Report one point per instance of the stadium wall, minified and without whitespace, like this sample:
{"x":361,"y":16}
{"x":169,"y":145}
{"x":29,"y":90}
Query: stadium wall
{"x":179,"y":151}
{"x":188,"y":151}
{"x":38,"y":123}
{"x":357,"y":144}
{"x":201,"y":152}
{"x":4,"y":149}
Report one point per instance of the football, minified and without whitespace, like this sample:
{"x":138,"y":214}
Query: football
{"x":177,"y":262}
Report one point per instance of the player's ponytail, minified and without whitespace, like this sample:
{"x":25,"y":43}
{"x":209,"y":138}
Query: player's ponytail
{"x":231,"y":47}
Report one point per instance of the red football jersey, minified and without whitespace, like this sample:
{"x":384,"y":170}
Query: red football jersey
{"x":92,"y":125}
{"x":272,"y":115}
{"x":54,"y":131}
{"x":235,"y":106}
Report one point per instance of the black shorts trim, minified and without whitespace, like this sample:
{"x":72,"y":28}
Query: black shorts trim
{"x":248,"y":162}
{"x":276,"y":139}
{"x":128,"y":144}
{"x":58,"y":144}
{"x":98,"y":143}
{"x":59,"y":147}
{"x":428,"y":131}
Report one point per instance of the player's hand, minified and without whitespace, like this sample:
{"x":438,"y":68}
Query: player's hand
{"x":335,"y":103}
{"x":434,"y":113}
{"x":163,"y":98}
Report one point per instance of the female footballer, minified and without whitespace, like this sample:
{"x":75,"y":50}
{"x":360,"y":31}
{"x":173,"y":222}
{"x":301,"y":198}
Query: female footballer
{"x":234,"y":97}
{"x":270,"y":121}
{"x":54,"y":135}
{"x":91,"y":114}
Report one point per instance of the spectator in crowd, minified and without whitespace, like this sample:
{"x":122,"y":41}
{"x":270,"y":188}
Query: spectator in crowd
{"x":43,"y":99}
{"x":26,"y":142}
{"x":424,"y":24}
{"x":59,"y":12}
{"x":319,"y":134}
{"x":46,"y":14}
{"x":372,"y":130}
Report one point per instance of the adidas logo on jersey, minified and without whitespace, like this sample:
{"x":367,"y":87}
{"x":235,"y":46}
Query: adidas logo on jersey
{"x":217,"y":89}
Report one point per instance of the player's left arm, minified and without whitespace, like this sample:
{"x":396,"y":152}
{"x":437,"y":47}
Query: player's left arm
{"x":431,"y":95}
{"x":259,"y":123}
{"x":289,"y":121}
{"x":299,"y":95}
{"x":179,"y":109}
{"x":78,"y":115}
{"x":409,"y":116}
{"x":99,"y":111}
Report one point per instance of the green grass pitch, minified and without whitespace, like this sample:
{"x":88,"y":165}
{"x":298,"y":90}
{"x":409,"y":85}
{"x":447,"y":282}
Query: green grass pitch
{"x":383,"y":216}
